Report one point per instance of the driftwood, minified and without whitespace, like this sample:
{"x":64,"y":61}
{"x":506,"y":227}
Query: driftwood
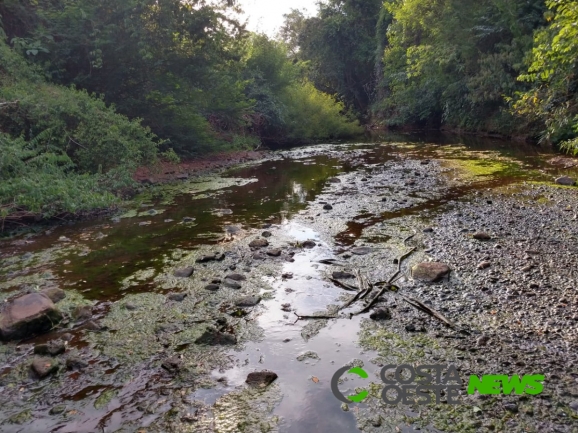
{"x":344,"y":286}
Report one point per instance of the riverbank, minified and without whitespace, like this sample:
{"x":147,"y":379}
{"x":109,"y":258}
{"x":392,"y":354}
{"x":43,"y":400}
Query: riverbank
{"x":169,"y":307}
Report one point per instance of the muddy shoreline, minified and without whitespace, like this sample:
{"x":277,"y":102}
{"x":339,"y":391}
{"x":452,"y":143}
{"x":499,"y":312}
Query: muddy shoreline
{"x":152,"y":349}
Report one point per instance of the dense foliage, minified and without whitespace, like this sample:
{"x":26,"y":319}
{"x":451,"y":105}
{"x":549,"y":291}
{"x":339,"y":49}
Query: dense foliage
{"x":486,"y":66}
{"x":95,"y":89}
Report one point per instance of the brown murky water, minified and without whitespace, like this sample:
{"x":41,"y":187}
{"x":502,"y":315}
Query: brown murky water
{"x":114,"y":249}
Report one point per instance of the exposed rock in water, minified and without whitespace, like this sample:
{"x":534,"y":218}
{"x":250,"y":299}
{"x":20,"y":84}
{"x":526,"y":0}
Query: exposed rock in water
{"x":266,"y":234}
{"x":274,"y":253}
{"x":340,"y":275}
{"x":308,"y":355}
{"x":327,"y":207}
{"x":212,"y":337}
{"x":55,"y":294}
{"x":82,"y":313}
{"x":44,"y":366}
{"x":259,"y":243}
{"x":212,"y":287}
{"x":484,"y":265}
{"x":75,"y":363}
{"x":430,"y":271}
{"x":481,"y":236}
{"x":248,"y":301}
{"x":565,"y":180}
{"x":308,"y":244}
{"x":380,"y":314}
{"x":334,"y":180}
{"x":261,"y":379}
{"x":231,"y":284}
{"x":30,"y":314}
{"x":361,"y":251}
{"x":236,"y":277}
{"x":172,"y":364}
{"x":177,"y":297}
{"x":52,"y":348}
{"x":184,"y":272}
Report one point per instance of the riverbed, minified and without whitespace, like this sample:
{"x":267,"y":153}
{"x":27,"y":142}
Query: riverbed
{"x":171,"y":303}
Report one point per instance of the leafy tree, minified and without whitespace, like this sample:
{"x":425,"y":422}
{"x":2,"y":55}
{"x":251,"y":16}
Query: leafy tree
{"x":553,"y":72}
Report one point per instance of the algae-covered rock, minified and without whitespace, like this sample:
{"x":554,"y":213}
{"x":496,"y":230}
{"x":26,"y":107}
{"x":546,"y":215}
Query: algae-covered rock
{"x":30,"y":314}
{"x":261,"y":379}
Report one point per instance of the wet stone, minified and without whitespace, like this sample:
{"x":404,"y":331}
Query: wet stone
{"x":184,"y":272}
{"x":481,"y":236}
{"x":172,"y":364}
{"x":55,"y":294}
{"x":52,"y":348}
{"x":413,"y":328}
{"x":484,"y":265}
{"x":129,"y":306}
{"x":327,"y":206}
{"x":30,"y":314}
{"x":212,"y":287}
{"x":274,"y":252}
{"x":231,"y":284}
{"x":57,"y":410}
{"x":212,"y":337}
{"x":177,"y":297}
{"x":361,"y":251}
{"x":207,"y":258}
{"x":430,"y":271}
{"x":236,"y":277}
{"x":334,"y":180}
{"x":308,"y":244}
{"x":259,"y":243}
{"x":510,"y":407}
{"x":340,"y":275}
{"x":43,"y":367}
{"x":92,"y":325}
{"x":75,"y":363}
{"x":266,"y":234}
{"x":248,"y":301}
{"x":380,"y":314}
{"x":261,"y":379}
{"x":428,"y":230}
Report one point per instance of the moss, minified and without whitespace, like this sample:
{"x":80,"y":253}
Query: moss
{"x":105,"y":398}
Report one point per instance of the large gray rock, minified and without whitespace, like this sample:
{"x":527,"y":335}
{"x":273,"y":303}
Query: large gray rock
{"x":430,"y":271}
{"x":30,"y":314}
{"x":259,"y":243}
{"x":565,"y":180}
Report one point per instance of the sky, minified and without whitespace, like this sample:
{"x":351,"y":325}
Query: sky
{"x":267,"y":15}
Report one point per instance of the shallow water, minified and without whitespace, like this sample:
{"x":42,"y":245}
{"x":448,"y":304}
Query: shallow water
{"x":107,"y":251}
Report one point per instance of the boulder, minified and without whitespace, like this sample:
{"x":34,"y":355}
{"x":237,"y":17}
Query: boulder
{"x":274,"y":252}
{"x":430,"y":271}
{"x":30,"y":314}
{"x":481,"y":236}
{"x":212,"y":287}
{"x":308,"y":244}
{"x":565,"y":180}
{"x":327,"y":207}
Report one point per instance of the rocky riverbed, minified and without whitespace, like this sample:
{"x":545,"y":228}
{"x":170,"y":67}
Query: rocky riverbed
{"x":226,"y":303}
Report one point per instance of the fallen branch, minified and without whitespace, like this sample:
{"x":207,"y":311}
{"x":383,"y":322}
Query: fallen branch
{"x":299,"y":317}
{"x":434,"y":313}
{"x":344,"y":286}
